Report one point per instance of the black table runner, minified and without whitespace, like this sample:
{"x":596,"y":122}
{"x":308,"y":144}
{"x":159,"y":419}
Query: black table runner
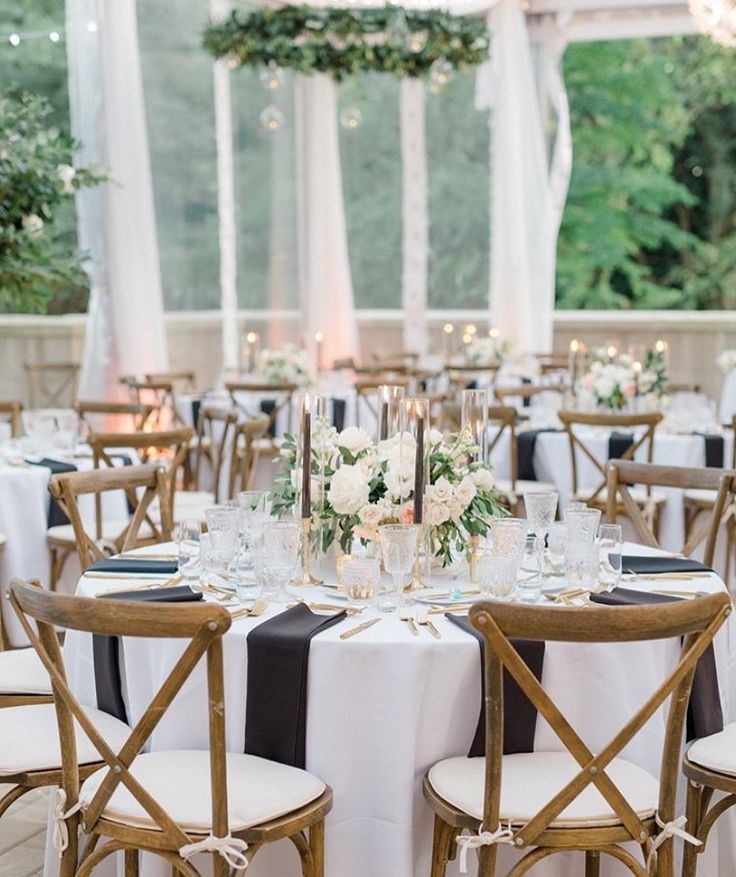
{"x":704,"y":713}
{"x":276,"y":702}
{"x":714,"y":450}
{"x":519,"y":714}
{"x":526,"y":442}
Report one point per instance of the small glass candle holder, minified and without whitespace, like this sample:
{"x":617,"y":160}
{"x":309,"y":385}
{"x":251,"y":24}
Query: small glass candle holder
{"x":361,"y":578}
{"x":416,"y":427}
{"x":474,"y":420}
{"x":313,"y":456}
{"x":390,"y":401}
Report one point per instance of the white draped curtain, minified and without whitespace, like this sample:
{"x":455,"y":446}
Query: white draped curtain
{"x":527,"y":189}
{"x":117,"y":226}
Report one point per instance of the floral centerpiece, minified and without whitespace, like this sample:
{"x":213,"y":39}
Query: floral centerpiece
{"x":614,"y":382}
{"x":363,"y":485}
{"x":287,"y":365}
{"x":491,"y":350}
{"x":727,"y":361}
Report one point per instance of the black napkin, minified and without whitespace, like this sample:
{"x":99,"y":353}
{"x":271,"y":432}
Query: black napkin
{"x":519,"y":714}
{"x":106,"y":649}
{"x":526,"y":441}
{"x":196,"y":405}
{"x":267,"y":407}
{"x":276,"y":702}
{"x":649,"y":565}
{"x":134,"y":565}
{"x":704,"y":713}
{"x":618,"y":444}
{"x":526,"y":401}
{"x":338,"y":414}
{"x":56,"y":517}
{"x":713,"y":451}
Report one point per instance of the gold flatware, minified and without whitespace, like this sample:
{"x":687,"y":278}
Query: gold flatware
{"x":678,"y":576}
{"x":675,"y":593}
{"x":408,"y":617}
{"x":124,"y":575}
{"x":258,"y":608}
{"x":329,"y":607}
{"x":457,"y":607}
{"x":364,"y":626}
{"x":144,"y":556}
{"x":424,"y":620}
{"x":170,"y":583}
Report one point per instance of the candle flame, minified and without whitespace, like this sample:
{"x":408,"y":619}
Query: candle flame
{"x":448,"y":328}
{"x":319,"y":337}
{"x":493,"y":332}
{"x":251,"y":337}
{"x":574,"y":345}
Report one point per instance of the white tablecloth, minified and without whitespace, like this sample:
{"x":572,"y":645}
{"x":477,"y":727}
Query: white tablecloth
{"x":384,"y":706}
{"x":727,"y":407}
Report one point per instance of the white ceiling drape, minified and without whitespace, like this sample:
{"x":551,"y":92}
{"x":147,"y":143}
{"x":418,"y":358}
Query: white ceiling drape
{"x":116,"y":222}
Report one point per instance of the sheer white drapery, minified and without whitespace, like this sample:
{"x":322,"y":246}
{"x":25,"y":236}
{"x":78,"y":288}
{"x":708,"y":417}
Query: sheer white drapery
{"x":226,"y":204}
{"x":414,"y":213}
{"x":527,"y":189}
{"x":117,"y":226}
{"x":325,"y":283}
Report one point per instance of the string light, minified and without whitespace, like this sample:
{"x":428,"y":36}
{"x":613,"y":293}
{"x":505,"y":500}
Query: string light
{"x":15,"y":39}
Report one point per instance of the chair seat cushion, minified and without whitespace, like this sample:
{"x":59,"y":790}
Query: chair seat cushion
{"x":706,"y":497}
{"x":717,"y":752}
{"x":257,"y":790}
{"x":21,"y":672}
{"x":523,"y":487}
{"x":530,"y":779}
{"x":30,"y":738}
{"x":110,"y":530}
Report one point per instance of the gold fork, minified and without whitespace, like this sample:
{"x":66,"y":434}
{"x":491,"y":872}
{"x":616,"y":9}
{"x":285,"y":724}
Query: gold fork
{"x":169,"y":583}
{"x":408,"y":616}
{"x":423,"y":619}
{"x":258,"y":608}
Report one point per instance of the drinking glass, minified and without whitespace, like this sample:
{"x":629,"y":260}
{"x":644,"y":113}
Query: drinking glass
{"x":360,"y":579}
{"x":248,"y":588}
{"x":582,"y":526}
{"x":581,"y":565}
{"x":280,"y":553}
{"x":398,"y":546}
{"x":223,"y":523}
{"x":496,"y":574}
{"x":610,"y":542}
{"x":556,"y":541}
{"x":574,"y":506}
{"x":541,"y":508}
{"x":186,"y":536}
{"x":508,"y":536}
{"x":252,"y":504}
{"x":529,"y":585}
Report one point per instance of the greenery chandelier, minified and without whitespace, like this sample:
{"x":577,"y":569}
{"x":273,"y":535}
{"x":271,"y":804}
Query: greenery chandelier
{"x":345,"y":42}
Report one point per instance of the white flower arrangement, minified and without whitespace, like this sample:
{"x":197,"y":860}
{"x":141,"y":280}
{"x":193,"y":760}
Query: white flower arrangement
{"x":368,"y":484}
{"x":727,"y":361}
{"x":287,"y":365}
{"x":487,"y":350}
{"x":615,"y":383}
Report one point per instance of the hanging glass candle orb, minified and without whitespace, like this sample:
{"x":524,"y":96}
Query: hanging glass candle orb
{"x":271,"y":77}
{"x":417,"y":41}
{"x":440,"y":73}
{"x":271,"y":118}
{"x":350,"y":118}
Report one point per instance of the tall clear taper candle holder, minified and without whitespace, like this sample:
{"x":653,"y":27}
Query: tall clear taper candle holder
{"x":474,"y":421}
{"x":416,"y":426}
{"x":311,"y":452}
{"x":389,"y":410}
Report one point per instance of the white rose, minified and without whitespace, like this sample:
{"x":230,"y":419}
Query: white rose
{"x":66,"y":174}
{"x":33,"y":224}
{"x":399,"y":480}
{"x":437,"y":513}
{"x":434,"y":437}
{"x":349,"y":490}
{"x":440,"y":491}
{"x":369,"y":464}
{"x":399,"y":448}
{"x":455,"y":509}
{"x":466,"y":491}
{"x":355,"y":439}
{"x":370,"y":515}
{"x":483,"y":479}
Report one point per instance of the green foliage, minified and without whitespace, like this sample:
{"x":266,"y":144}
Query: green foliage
{"x":345,"y":42}
{"x":36,"y":176}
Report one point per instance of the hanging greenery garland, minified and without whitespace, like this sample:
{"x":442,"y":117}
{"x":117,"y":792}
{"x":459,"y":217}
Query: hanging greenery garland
{"x":345,"y":42}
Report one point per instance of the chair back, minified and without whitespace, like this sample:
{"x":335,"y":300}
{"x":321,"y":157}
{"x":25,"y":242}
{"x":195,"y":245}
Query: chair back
{"x":52,"y":384}
{"x":151,"y":479}
{"x":10,"y":412}
{"x":183,"y":381}
{"x":200,"y":626}
{"x":242,"y":462}
{"x":92,"y":412}
{"x":366,"y":392}
{"x":527,"y":392}
{"x":162,"y":396}
{"x":282,"y":394}
{"x":504,"y":418}
{"x":215,"y":425}
{"x":572,"y":419}
{"x":695,"y":620}
{"x":624,"y":474}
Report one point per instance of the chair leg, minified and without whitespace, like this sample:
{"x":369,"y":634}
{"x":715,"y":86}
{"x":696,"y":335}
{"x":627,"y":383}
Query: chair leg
{"x":131,"y":863}
{"x":317,"y":846}
{"x":442,"y":840}
{"x":692,"y":812}
{"x":592,"y":863}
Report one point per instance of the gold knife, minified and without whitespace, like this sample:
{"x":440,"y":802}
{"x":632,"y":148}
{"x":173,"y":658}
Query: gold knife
{"x":364,"y":626}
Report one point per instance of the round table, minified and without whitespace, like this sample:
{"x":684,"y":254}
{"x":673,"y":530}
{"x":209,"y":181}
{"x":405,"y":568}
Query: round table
{"x":385,"y":705}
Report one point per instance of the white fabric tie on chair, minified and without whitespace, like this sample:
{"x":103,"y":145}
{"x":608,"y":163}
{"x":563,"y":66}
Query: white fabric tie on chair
{"x":59,"y":815}
{"x":468,"y":842}
{"x":230,"y":848}
{"x":676,"y":828}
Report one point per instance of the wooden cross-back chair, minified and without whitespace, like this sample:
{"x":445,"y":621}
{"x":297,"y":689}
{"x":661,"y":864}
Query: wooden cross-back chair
{"x":625,"y":474}
{"x":160,"y":394}
{"x":212,"y":797}
{"x":182,"y":381}
{"x":90,"y":411}
{"x":52,"y":384}
{"x":460,"y":376}
{"x":596,"y":498}
{"x":214,"y":428}
{"x":366,"y":391}
{"x":282,"y":397}
{"x":10,"y":412}
{"x":153,"y":479}
{"x":526,"y":391}
{"x":636,"y":806}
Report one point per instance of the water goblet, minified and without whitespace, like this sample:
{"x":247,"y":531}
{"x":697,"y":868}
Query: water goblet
{"x":610,"y":542}
{"x":281,"y":551}
{"x":582,"y":526}
{"x":541,"y":507}
{"x":398,"y":546}
{"x":529,"y":585}
{"x":186,"y":536}
{"x":223,"y":522}
{"x":508,"y":536}
{"x":497,"y":575}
